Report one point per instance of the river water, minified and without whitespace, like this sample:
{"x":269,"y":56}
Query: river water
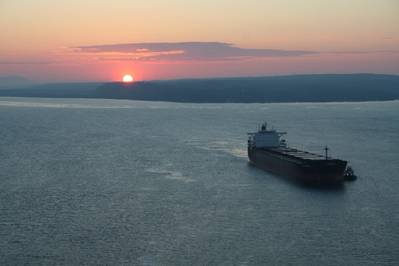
{"x":148,"y":183}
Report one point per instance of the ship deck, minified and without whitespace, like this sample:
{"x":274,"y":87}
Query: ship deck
{"x":298,"y":154}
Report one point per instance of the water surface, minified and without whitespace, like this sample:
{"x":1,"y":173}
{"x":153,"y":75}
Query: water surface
{"x":147,"y":183}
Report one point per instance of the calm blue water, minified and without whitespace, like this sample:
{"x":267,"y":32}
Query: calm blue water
{"x":125,"y":182}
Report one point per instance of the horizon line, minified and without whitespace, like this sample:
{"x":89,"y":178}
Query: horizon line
{"x":36,"y":82}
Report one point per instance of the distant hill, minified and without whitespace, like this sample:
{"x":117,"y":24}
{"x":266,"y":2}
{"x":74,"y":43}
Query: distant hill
{"x":13,"y":82}
{"x":56,"y":90}
{"x":296,"y":88}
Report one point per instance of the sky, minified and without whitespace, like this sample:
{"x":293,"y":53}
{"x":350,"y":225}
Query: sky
{"x":71,"y":40}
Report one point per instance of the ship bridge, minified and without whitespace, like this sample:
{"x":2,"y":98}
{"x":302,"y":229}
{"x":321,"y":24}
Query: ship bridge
{"x":266,"y":138}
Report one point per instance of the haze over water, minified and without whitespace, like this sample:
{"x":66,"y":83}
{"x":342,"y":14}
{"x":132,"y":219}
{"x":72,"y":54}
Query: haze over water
{"x":146,"y":183}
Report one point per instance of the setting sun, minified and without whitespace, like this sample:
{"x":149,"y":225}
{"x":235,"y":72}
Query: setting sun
{"x":127,"y":78}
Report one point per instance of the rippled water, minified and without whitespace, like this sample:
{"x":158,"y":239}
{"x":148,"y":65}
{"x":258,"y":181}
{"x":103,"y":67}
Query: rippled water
{"x":126,"y":182}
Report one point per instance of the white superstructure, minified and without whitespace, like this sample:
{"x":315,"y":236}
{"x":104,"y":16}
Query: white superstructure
{"x":265,"y":138}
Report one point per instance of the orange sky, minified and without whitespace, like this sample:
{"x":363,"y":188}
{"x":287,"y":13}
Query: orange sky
{"x":43,"y":39}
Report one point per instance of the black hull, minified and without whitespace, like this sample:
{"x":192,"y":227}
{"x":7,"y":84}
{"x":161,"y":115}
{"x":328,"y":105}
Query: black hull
{"x":320,"y":171}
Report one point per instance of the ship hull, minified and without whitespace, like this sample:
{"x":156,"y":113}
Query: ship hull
{"x":315,"y":171}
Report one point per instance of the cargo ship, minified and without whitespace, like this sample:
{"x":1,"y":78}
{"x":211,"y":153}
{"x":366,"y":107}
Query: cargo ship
{"x":268,"y":151}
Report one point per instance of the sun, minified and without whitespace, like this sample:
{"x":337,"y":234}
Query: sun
{"x":127,"y":78}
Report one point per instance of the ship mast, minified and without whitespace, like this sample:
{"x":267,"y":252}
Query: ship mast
{"x":326,"y":150}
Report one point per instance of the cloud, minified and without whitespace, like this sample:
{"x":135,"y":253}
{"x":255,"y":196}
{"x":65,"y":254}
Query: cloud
{"x":182,"y":51}
{"x":21,"y":62}
{"x":365,"y":52}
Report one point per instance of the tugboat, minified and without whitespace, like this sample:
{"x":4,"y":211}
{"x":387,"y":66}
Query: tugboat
{"x":268,"y":151}
{"x":349,"y":174}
